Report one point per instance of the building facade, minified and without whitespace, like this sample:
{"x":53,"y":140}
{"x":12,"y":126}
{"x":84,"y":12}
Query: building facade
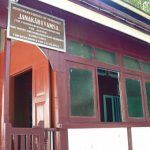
{"x":96,"y":95}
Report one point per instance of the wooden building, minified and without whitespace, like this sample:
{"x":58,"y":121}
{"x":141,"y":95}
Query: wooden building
{"x":96,"y":95}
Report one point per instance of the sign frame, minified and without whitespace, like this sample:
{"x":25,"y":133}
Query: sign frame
{"x":41,"y":13}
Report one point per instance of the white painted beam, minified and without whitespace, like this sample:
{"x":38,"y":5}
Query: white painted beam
{"x":98,"y":18}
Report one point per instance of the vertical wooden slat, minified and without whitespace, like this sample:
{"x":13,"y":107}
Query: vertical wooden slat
{"x":34,"y":142}
{"x":28,"y":144}
{"x":41,"y":140}
{"x":26,"y":138}
{"x":22,"y":142}
{"x":45,"y":139}
{"x":41,"y":135}
{"x":15,"y":142}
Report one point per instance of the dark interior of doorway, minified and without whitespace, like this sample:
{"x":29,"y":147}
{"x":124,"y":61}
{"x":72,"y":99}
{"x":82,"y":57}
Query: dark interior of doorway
{"x":23,"y":100}
{"x":109,"y":95}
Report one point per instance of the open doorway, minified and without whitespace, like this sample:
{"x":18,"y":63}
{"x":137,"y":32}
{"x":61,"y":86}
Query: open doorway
{"x":29,"y":86}
{"x":22,"y":94}
{"x":109,"y":95}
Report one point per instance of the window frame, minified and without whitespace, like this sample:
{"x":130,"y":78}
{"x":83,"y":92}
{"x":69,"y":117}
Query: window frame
{"x":115,"y":69}
{"x":131,"y":69}
{"x":139,"y":78}
{"x":96,"y":110}
{"x":113,"y":111}
{"x":80,"y":42}
{"x":145,"y":80}
{"x":142,"y":67}
{"x":108,"y":51}
{"x":124,"y":72}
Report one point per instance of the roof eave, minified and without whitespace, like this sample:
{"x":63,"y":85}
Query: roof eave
{"x":99,"y":18}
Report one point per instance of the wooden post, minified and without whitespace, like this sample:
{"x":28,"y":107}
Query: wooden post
{"x":7,"y":129}
{"x":5,"y":94}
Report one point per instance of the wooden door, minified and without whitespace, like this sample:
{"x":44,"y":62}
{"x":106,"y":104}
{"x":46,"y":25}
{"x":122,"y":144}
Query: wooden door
{"x":41,"y":93}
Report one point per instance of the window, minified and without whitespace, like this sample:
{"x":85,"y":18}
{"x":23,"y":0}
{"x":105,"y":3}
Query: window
{"x":86,"y":51}
{"x":131,"y":63}
{"x":83,"y":88}
{"x":109,"y":95}
{"x":135,"y":64}
{"x":145,"y":66}
{"x":112,"y":108}
{"x":148,"y":95}
{"x":81,"y":92}
{"x":79,"y":49}
{"x":106,"y":56}
{"x":134,"y":98}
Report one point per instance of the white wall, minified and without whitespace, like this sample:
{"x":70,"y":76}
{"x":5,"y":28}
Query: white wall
{"x":98,"y":139}
{"x":141,"y":138}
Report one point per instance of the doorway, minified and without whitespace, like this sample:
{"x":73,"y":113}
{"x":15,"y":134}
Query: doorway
{"x":29,"y":86}
{"x":23,"y":100}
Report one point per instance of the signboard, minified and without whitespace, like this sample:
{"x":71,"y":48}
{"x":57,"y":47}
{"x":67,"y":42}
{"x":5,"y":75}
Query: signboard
{"x":28,"y":25}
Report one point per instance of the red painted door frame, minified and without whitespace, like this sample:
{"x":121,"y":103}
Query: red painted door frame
{"x":41,"y":82}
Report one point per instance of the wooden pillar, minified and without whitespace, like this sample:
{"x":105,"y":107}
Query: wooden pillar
{"x":5,"y":92}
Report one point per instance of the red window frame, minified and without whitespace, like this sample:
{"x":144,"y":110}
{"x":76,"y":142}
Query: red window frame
{"x":82,"y":118}
{"x":139,"y":78}
{"x":145,"y":80}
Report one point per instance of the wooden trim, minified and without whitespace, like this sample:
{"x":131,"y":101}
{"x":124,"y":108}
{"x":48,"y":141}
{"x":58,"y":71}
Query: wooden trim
{"x":5,"y":97}
{"x":133,"y":119}
{"x":98,"y":109}
{"x":145,"y":98}
{"x":81,"y":118}
{"x":7,"y":54}
{"x":129,"y":138}
{"x":103,"y":125}
{"x":21,"y":72}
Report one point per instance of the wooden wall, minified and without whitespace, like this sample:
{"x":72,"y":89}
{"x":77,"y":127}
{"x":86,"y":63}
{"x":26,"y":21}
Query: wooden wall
{"x":1,"y":80}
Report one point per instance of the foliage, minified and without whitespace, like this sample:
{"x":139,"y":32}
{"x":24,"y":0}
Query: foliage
{"x":143,"y":5}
